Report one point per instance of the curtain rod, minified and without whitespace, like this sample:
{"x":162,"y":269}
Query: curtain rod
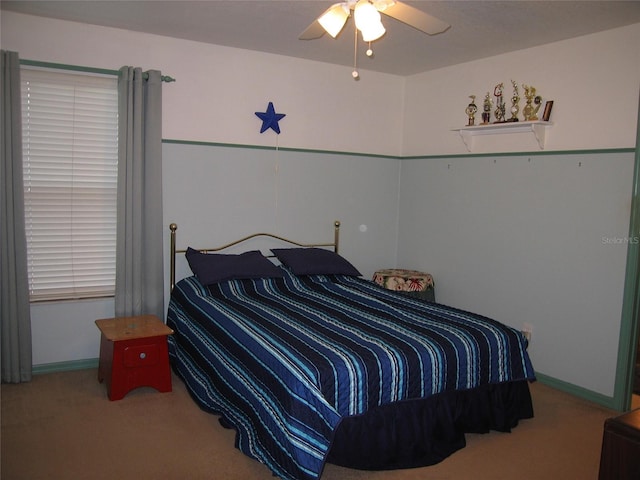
{"x":77,"y":68}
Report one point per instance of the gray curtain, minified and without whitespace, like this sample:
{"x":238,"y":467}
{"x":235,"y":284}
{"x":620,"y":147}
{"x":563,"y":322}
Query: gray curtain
{"x":15,"y":320}
{"x":139,"y":252}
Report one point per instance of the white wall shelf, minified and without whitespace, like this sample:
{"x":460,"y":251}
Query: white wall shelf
{"x":538,"y":128}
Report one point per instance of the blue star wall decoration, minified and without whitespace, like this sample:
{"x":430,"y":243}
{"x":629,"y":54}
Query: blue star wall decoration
{"x":270,"y":119}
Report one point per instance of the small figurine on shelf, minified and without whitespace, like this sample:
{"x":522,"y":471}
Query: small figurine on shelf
{"x":529,"y":111}
{"x":515,"y":100}
{"x":500,"y":107}
{"x":471,"y":111}
{"x":486,"y":109}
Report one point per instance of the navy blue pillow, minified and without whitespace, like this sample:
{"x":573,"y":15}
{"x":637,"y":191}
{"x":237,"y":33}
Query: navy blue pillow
{"x":213,"y":268}
{"x":314,"y":261}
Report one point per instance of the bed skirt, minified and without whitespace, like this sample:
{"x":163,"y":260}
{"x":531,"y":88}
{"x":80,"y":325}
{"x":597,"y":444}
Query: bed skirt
{"x":416,"y":433}
{"x":422,"y":432}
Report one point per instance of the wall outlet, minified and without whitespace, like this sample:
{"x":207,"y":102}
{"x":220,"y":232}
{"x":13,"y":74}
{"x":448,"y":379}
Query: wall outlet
{"x":527,"y":330}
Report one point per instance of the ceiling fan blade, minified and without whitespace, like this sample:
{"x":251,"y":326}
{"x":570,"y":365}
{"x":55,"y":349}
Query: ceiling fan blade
{"x":312,"y":32}
{"x":416,"y":18}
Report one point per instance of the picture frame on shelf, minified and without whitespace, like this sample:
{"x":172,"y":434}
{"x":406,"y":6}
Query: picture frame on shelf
{"x":547,"y":110}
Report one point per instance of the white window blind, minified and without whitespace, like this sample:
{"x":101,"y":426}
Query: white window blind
{"x":70,"y":150}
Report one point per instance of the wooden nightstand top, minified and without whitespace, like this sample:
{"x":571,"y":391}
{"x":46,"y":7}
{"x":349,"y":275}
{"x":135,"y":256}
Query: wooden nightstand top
{"x":128,"y":328}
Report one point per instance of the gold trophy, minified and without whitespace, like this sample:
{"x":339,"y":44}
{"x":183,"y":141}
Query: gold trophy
{"x":486,"y":109}
{"x":530,"y":111}
{"x":515,"y":100}
{"x":500,"y":108}
{"x":471,"y":111}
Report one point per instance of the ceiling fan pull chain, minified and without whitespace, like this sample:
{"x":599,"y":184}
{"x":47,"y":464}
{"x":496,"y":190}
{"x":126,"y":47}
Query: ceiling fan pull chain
{"x":355,"y":74}
{"x":369,"y":51}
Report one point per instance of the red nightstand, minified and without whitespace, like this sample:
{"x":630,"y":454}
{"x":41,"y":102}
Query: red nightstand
{"x":133,"y":353}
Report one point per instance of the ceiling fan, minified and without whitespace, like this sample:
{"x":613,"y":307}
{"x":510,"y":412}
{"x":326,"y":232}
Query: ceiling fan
{"x":368,"y":22}
{"x":335,"y":17}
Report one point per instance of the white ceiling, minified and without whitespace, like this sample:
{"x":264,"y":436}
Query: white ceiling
{"x":479,"y":28}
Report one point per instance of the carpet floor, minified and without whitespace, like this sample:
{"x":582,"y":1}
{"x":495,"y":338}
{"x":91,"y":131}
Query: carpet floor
{"x":62,"y":426}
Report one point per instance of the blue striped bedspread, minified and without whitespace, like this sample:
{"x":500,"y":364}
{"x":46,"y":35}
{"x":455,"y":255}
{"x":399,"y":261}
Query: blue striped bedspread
{"x":284,"y":359}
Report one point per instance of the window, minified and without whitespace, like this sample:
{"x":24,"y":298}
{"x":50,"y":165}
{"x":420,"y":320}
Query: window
{"x":70,"y":151}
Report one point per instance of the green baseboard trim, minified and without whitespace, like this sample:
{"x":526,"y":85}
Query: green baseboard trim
{"x":577,"y":391}
{"x":65,"y":366}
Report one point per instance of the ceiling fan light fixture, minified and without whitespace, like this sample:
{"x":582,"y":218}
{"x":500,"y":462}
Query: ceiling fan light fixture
{"x":368,"y":21}
{"x":334,"y":19}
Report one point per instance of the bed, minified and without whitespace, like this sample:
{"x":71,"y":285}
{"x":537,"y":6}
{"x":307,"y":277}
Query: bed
{"x":310,"y":363}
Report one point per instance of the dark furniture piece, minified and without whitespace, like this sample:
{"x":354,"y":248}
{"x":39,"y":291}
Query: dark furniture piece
{"x":620,"y":458}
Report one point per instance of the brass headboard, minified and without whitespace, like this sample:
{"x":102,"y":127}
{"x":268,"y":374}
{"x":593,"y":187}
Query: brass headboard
{"x":173,"y":227}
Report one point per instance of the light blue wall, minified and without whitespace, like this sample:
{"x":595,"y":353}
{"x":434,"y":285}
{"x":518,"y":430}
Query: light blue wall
{"x":537,"y":239}
{"x":217,"y":194}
